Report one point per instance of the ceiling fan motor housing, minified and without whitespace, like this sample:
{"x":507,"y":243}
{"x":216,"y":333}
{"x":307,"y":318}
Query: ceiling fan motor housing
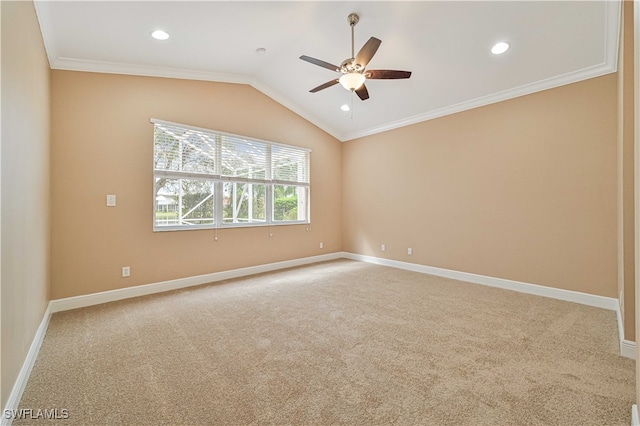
{"x":349,"y":65}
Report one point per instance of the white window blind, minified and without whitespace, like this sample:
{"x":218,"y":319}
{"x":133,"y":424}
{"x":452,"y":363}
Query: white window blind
{"x":244,"y":158}
{"x":185,"y":150}
{"x":289,"y":165}
{"x":207,"y":178}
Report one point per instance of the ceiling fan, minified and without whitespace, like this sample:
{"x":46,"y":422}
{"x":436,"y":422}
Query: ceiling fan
{"x":353,"y":69}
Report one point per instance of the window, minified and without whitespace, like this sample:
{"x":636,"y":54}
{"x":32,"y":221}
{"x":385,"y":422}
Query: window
{"x":209,"y":179}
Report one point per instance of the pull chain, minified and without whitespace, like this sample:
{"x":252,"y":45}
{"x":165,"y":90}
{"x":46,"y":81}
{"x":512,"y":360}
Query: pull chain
{"x":351,"y":107}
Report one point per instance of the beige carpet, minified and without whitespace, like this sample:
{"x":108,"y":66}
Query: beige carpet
{"x":341,"y":342}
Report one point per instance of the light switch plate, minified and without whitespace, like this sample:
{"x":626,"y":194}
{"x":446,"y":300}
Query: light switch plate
{"x":111,"y":200}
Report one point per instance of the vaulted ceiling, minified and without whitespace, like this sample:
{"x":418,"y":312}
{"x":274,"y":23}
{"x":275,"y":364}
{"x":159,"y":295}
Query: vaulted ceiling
{"x":445,"y":44}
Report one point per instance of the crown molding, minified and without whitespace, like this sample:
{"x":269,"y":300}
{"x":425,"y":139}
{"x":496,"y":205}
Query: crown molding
{"x":515,"y":92}
{"x":43,"y":12}
{"x":73,"y":64}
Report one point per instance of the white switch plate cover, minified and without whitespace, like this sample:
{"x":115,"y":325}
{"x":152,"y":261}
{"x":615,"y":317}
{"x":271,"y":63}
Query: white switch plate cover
{"x":111,"y":200}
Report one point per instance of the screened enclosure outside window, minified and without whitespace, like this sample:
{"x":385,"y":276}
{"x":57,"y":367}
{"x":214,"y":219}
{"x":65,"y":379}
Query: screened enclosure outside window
{"x":208,"y":179}
{"x":244,"y":203}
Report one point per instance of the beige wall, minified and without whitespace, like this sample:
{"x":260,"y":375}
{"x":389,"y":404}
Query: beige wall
{"x":626,"y":272}
{"x":102,"y":143}
{"x":523,"y":190}
{"x":25,"y":186}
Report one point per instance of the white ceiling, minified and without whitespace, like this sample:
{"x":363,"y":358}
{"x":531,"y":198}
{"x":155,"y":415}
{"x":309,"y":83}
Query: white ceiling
{"x":445,"y":44}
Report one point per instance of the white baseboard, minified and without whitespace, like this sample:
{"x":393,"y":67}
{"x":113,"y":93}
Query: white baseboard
{"x":23,"y":377}
{"x":538,"y":290}
{"x":143,"y":290}
{"x":635,"y":418}
{"x":628,"y":349}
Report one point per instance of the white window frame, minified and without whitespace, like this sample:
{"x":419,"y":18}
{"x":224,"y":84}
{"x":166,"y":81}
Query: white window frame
{"x":219,"y":180}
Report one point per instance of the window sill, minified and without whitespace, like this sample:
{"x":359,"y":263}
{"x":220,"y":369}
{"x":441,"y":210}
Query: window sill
{"x":226,"y":226}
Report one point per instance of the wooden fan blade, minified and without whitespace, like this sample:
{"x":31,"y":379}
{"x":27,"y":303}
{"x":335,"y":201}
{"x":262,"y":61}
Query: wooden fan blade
{"x":362,"y":92}
{"x":324,"y":86}
{"x":368,"y":50}
{"x":387,"y":74}
{"x":320,"y":63}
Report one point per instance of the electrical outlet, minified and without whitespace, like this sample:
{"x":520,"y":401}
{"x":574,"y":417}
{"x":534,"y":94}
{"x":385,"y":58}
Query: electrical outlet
{"x":126,"y":271}
{"x":383,"y":247}
{"x":409,"y":251}
{"x":321,"y":245}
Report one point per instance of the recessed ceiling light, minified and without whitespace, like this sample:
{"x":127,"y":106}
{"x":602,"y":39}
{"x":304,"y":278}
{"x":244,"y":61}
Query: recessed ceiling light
{"x":261,"y":51}
{"x":345,"y":107}
{"x":499,"y":48}
{"x":159,"y":35}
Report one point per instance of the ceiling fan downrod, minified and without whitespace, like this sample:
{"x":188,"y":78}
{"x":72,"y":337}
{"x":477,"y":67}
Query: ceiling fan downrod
{"x":353,"y":19}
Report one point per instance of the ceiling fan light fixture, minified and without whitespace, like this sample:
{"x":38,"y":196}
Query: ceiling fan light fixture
{"x":352,"y":80}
